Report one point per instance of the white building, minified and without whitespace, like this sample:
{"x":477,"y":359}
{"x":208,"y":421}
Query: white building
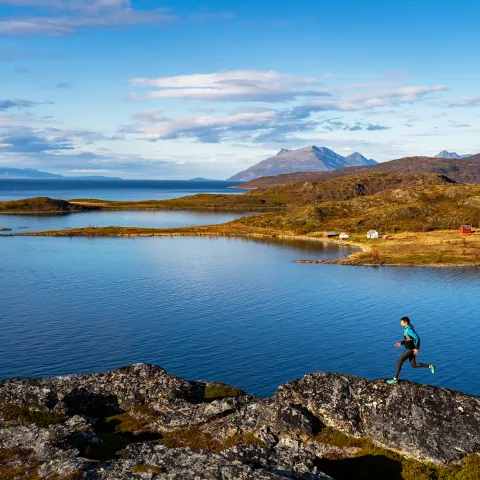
{"x":372,"y":234}
{"x":344,"y":236}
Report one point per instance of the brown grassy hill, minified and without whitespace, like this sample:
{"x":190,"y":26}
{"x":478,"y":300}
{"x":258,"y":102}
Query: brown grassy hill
{"x":419,"y":208}
{"x":348,"y":187}
{"x":465,"y":170}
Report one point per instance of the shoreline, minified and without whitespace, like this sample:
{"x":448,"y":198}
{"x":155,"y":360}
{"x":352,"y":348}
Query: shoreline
{"x":367,"y":250}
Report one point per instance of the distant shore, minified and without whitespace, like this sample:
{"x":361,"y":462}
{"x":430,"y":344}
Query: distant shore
{"x":406,"y":249}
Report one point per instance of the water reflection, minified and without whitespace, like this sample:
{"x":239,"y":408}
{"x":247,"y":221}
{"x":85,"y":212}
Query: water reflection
{"x":153,"y":219}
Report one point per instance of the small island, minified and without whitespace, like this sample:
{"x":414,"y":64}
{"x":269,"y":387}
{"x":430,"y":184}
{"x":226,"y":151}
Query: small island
{"x":201,"y":179}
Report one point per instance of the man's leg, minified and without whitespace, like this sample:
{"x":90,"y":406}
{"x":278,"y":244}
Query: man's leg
{"x":414,"y":364}
{"x":406,"y":354}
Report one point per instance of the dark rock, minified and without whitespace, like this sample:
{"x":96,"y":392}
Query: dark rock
{"x":421,"y":421}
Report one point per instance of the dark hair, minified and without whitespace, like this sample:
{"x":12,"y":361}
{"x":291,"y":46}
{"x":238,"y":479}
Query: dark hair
{"x":405,"y":319}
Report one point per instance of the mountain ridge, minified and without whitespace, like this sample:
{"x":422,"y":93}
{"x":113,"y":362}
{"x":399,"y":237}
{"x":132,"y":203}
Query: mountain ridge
{"x":9,"y":173}
{"x":306,"y":159}
{"x":452,"y":155}
{"x":461,"y":170}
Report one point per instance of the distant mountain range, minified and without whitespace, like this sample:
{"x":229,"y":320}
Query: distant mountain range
{"x":466,"y":170}
{"x":452,"y":155}
{"x":308,"y":159}
{"x":30,"y":173}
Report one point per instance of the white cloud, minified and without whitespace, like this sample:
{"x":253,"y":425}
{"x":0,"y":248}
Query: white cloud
{"x":239,"y":86}
{"x":374,"y":99}
{"x":253,"y":126}
{"x":67,"y":17}
{"x":462,"y":102}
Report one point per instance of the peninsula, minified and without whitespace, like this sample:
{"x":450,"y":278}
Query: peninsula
{"x":419,"y":213}
{"x":141,"y":422}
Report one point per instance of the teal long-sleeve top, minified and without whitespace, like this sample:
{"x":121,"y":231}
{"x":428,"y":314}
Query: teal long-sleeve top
{"x":411,"y":339}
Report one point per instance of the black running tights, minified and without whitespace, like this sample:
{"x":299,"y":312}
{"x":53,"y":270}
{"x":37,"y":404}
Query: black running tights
{"x":413,"y":362}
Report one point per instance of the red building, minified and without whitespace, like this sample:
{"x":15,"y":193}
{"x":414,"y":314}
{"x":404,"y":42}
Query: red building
{"x":466,"y":229}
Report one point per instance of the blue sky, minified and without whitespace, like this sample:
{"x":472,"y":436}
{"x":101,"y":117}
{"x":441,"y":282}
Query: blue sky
{"x":149,"y":89}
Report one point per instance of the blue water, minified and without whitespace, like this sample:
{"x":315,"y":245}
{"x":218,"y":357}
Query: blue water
{"x":156,"y":219}
{"x":234,"y":310}
{"x":111,"y":189}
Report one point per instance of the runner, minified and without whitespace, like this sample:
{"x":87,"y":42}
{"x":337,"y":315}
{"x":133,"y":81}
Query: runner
{"x":411,"y":342}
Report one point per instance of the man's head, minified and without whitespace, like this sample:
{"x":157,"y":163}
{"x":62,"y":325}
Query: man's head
{"x":404,"y":321}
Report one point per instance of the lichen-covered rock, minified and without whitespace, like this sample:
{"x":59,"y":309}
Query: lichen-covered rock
{"x":424,"y":422}
{"x":282,"y":461}
{"x":116,"y":390}
{"x":169,"y":428}
{"x":145,"y":461}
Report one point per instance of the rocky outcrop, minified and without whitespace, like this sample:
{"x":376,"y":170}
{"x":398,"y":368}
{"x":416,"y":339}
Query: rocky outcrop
{"x":245,"y":462}
{"x":424,"y":422}
{"x":140,"y":422}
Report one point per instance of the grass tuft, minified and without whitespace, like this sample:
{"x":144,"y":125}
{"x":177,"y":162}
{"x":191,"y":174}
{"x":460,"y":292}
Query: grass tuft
{"x":22,"y":413}
{"x":216,"y":392}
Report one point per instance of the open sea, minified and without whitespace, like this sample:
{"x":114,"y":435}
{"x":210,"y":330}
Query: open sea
{"x":112,"y":189}
{"x":241,"y":311}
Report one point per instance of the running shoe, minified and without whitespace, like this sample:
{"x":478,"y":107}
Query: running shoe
{"x":432,"y":368}
{"x":393,"y":381}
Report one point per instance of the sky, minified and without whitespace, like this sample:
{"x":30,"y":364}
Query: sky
{"x":192,"y":88}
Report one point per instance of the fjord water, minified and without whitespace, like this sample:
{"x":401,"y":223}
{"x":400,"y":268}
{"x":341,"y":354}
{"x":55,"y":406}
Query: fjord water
{"x":149,"y":218}
{"x":112,"y":189}
{"x":233,"y":310}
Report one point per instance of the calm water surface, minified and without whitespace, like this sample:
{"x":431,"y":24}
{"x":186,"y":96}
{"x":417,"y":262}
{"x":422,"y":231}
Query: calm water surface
{"x":111,"y":189}
{"x":238,"y":311}
{"x":156,"y":219}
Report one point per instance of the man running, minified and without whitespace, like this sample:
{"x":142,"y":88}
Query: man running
{"x":411,"y":342}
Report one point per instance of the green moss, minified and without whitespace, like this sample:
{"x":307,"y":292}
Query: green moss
{"x":242,"y":439}
{"x":329,"y":436}
{"x":214,"y":392}
{"x":470,"y":469}
{"x":12,"y":473}
{"x":125,"y":422}
{"x":16,"y":463}
{"x":22,"y":413}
